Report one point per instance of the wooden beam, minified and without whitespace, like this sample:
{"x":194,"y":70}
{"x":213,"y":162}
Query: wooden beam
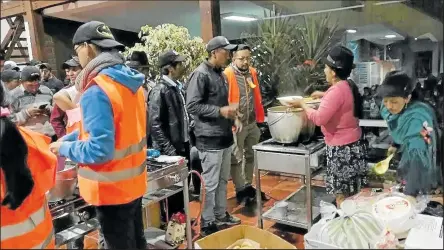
{"x":19,"y":28}
{"x":16,"y":27}
{"x":12,"y":8}
{"x":41,"y":4}
{"x":209,"y":19}
{"x":36,"y":31}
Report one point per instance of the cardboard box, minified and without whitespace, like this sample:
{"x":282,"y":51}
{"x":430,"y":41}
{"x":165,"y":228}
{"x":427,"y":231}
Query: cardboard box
{"x":227,"y":237}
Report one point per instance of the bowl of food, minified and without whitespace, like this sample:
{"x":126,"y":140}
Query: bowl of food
{"x":286,"y":100}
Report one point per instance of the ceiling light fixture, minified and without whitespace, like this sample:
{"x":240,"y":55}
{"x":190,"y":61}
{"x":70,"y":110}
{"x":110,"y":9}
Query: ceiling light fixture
{"x":390,"y":36}
{"x":351,"y":31}
{"x":240,"y":18}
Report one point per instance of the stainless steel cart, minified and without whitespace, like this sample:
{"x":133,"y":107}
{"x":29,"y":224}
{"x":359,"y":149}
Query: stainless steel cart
{"x":305,"y":160}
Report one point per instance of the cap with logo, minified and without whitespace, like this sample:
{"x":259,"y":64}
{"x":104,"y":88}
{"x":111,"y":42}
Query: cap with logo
{"x":396,"y":84}
{"x":10,"y":75}
{"x":220,"y":42}
{"x":170,"y":57}
{"x":97,"y":33}
{"x":30,"y":74}
{"x":10,"y":65}
{"x":340,"y":57}
{"x":73,"y":62}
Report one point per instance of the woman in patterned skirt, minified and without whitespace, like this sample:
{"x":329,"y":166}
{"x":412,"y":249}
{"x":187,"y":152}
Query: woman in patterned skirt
{"x":338,"y":115}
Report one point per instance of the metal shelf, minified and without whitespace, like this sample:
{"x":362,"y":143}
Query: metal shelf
{"x":160,"y":194}
{"x":296,"y":215}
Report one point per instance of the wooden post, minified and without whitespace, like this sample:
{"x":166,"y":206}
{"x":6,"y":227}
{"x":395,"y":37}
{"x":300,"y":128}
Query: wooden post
{"x":209,"y":19}
{"x":36,"y":31}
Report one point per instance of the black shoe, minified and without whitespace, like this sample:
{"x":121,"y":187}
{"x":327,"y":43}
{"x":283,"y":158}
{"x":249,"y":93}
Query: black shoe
{"x":250,"y":192}
{"x":208,"y":230}
{"x":240,"y":197}
{"x":228,"y":220}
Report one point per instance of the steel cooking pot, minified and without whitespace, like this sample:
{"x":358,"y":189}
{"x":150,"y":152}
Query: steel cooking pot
{"x":66,"y":182}
{"x":288,"y":125}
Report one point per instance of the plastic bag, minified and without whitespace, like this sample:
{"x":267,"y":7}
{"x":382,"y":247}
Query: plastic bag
{"x":328,"y":211}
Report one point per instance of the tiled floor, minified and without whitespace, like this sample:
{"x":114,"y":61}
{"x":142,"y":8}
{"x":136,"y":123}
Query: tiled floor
{"x":277,"y":187}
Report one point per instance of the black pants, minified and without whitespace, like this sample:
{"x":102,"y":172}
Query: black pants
{"x":122,"y":225}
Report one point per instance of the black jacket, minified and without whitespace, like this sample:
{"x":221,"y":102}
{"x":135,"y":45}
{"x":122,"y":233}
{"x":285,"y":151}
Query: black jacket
{"x":166,"y":118}
{"x":207,"y":92}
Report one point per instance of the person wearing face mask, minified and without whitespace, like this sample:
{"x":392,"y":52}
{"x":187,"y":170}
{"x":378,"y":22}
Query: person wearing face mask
{"x":243,"y":88}
{"x":110,"y":146}
{"x":414,"y":129}
{"x":338,"y":115}
{"x":31,"y":103}
{"x":207,"y":102}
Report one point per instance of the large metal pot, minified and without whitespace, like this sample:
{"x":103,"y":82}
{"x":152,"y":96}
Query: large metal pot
{"x":66,"y":182}
{"x":287,"y":125}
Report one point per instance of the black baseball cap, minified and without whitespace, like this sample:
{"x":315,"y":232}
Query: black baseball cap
{"x":241,"y":46}
{"x":396,"y":84}
{"x":97,"y":33}
{"x":340,"y":57}
{"x":73,"y":62}
{"x":45,"y":66}
{"x":220,"y":42}
{"x":10,"y":75}
{"x":170,"y":57}
{"x":30,"y":74}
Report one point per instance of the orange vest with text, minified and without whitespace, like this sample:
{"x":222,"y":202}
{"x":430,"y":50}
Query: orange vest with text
{"x":234,"y":95}
{"x":124,"y":178}
{"x":30,"y":225}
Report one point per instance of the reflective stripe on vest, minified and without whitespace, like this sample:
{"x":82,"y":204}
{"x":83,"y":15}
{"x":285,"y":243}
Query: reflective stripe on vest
{"x":123,"y":178}
{"x":28,"y":226}
{"x":132,"y":149}
{"x":113,"y":176}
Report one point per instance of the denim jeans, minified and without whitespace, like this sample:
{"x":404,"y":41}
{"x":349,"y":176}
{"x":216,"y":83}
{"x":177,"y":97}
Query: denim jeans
{"x":216,"y":171}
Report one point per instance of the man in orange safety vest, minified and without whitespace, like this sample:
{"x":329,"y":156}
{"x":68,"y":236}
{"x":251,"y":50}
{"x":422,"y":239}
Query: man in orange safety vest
{"x":110,"y":146}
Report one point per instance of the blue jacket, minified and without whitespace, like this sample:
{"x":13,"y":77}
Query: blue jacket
{"x":97,"y":115}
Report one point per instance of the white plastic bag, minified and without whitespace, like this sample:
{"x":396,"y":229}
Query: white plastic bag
{"x":328,"y":211}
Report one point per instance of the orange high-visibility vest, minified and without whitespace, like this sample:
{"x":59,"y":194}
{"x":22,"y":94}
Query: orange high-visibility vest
{"x":30,"y":225}
{"x":234,"y":96}
{"x":124,"y":178}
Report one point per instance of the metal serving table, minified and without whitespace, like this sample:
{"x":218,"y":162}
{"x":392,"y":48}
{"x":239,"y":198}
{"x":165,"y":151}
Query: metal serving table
{"x":302,"y":159}
{"x":164,"y":180}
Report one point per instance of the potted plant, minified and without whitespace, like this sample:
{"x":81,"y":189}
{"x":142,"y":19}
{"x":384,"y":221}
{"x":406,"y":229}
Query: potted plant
{"x":287,"y":54}
{"x":161,"y":38}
